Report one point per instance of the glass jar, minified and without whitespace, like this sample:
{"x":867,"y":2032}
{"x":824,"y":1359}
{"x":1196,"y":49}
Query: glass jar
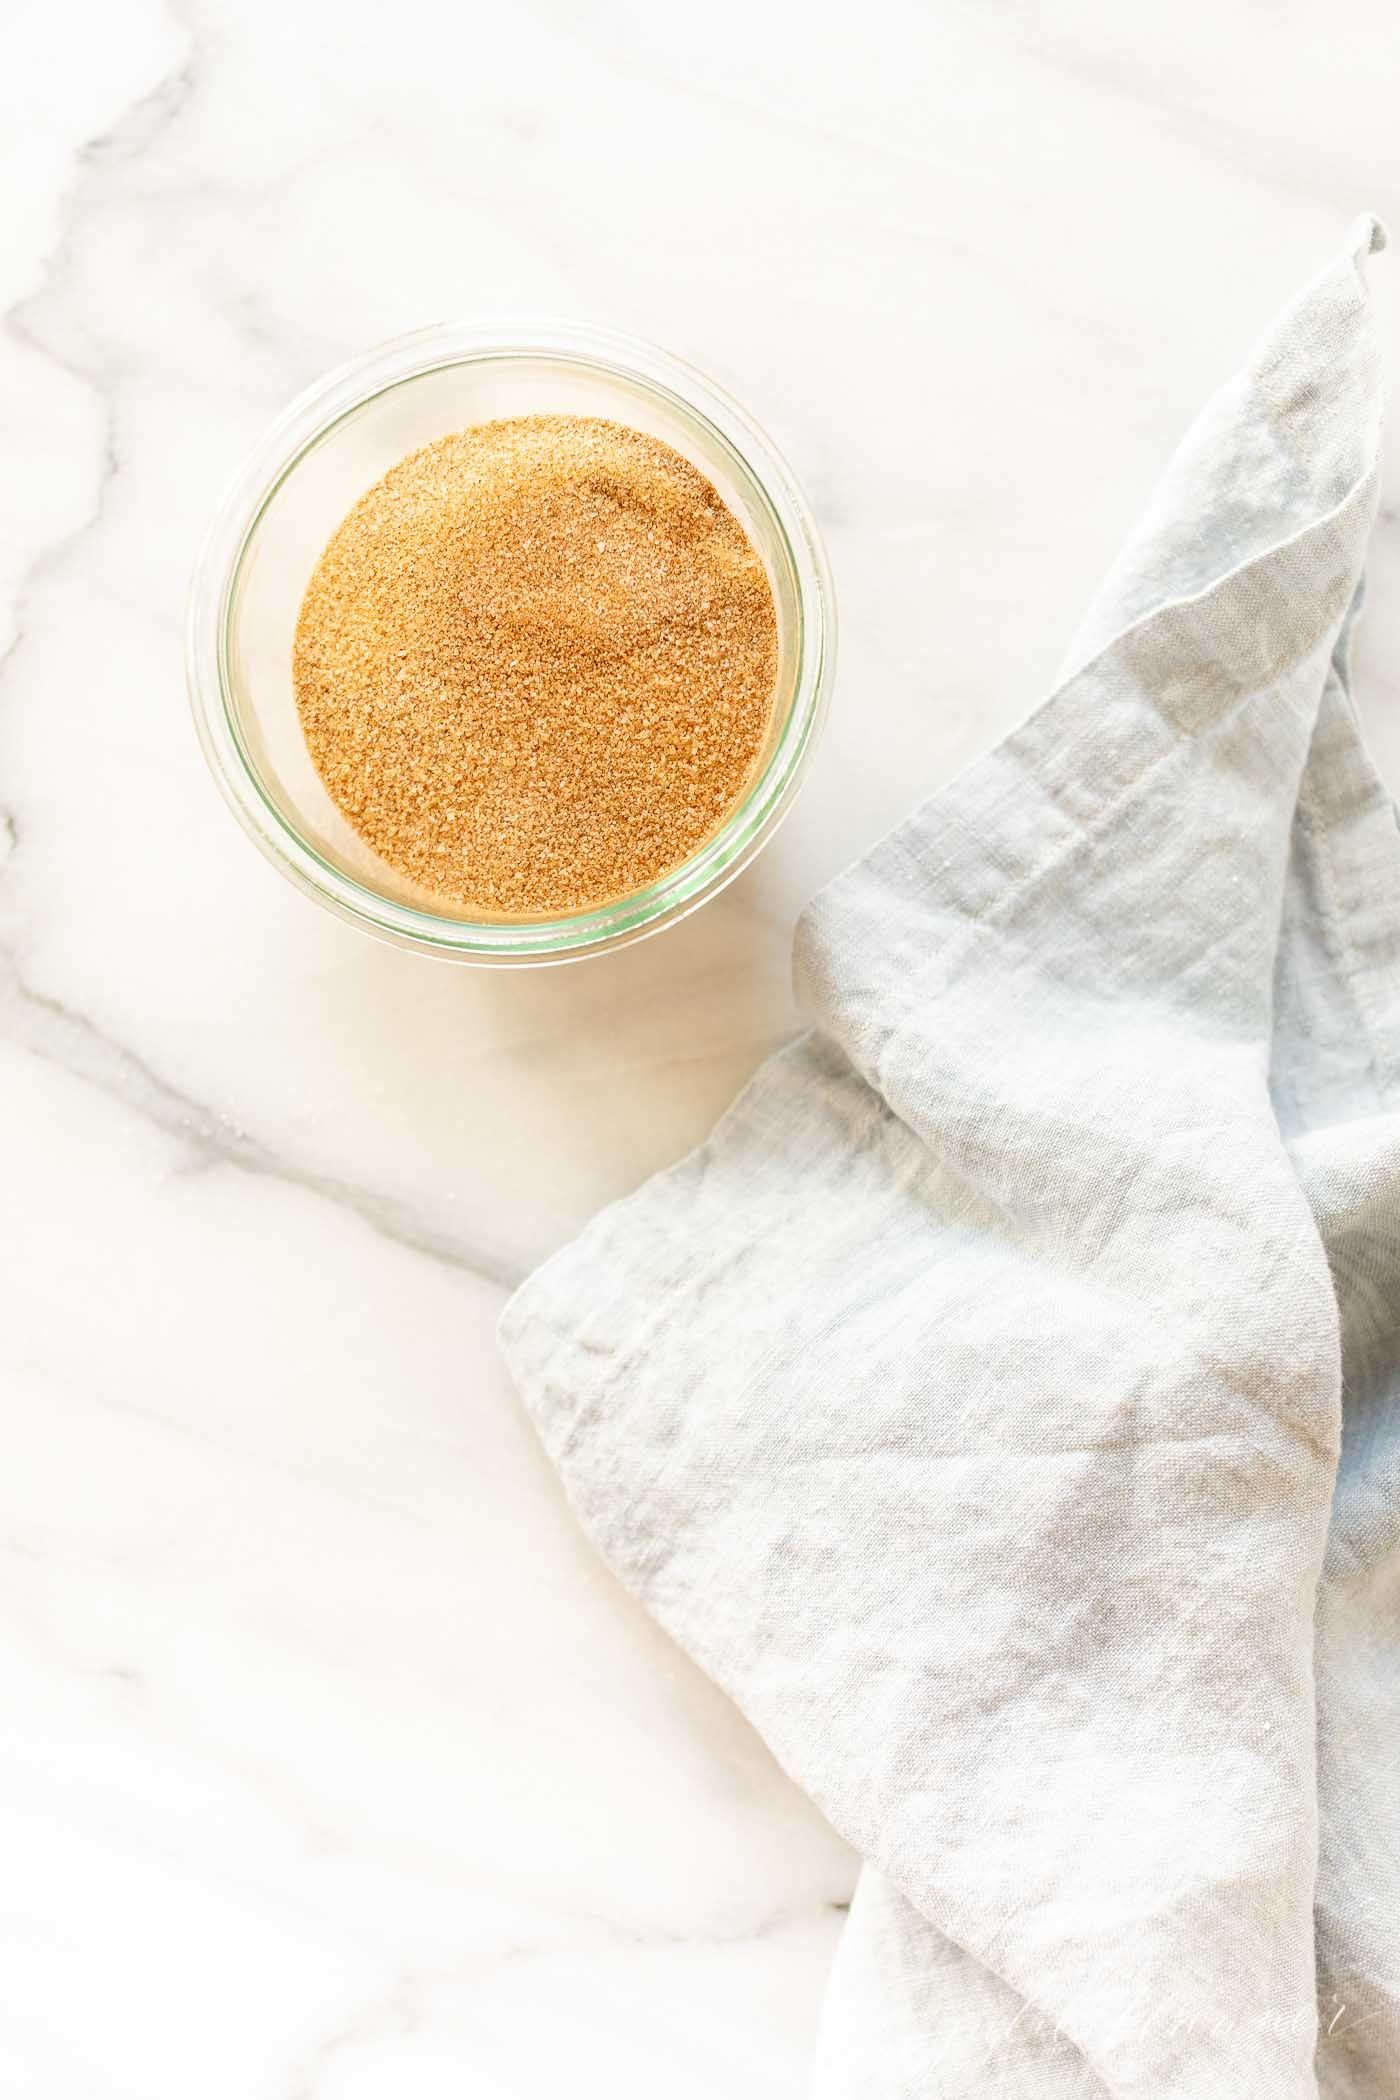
{"x":313,"y":465}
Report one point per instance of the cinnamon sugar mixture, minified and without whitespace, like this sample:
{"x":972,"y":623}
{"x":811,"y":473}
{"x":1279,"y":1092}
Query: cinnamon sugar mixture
{"x":535,"y":664}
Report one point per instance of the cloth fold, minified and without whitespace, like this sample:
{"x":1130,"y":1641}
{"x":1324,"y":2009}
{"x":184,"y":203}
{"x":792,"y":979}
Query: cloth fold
{"x":969,"y":1405}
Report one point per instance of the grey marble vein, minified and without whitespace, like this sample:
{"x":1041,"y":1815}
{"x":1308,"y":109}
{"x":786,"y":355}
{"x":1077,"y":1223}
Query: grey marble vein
{"x":48,"y":1029}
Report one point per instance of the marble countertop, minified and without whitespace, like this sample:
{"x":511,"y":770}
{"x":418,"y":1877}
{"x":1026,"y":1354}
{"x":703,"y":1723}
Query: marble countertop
{"x":331,"y":1767}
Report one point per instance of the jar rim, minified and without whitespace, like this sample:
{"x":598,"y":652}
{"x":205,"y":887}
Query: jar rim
{"x":307,"y":423}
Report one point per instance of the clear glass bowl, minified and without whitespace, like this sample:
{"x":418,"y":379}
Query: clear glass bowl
{"x":334,"y":443}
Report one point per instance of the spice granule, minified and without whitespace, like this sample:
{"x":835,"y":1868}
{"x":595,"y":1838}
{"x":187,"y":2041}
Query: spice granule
{"x":535,"y":664}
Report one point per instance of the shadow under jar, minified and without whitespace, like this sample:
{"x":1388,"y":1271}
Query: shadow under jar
{"x":309,"y":470}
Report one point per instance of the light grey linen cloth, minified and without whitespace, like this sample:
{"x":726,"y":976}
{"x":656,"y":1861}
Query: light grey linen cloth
{"x":970,"y":1405}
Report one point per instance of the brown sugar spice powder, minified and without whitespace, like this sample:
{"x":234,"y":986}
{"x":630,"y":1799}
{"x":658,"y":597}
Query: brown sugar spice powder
{"x":535,"y":664}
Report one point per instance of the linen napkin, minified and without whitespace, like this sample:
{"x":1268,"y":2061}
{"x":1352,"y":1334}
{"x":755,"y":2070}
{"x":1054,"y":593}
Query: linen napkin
{"x":970,"y":1404}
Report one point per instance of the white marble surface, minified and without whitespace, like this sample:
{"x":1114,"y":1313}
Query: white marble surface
{"x":330,"y":1766}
